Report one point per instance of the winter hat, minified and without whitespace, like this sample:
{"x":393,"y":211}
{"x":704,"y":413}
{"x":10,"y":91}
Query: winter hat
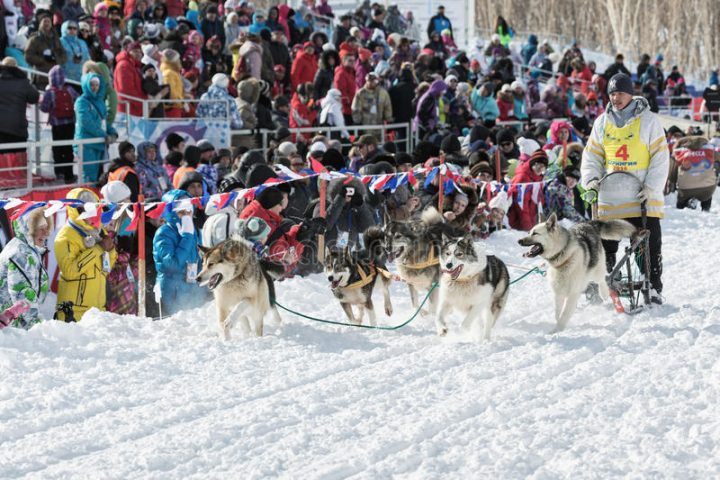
{"x":115,"y":191}
{"x":481,"y":167}
{"x":572,"y":171}
{"x":286,"y":149}
{"x":221,"y":80}
{"x":318,"y":147}
{"x":171,"y":23}
{"x":620,"y":83}
{"x":389,"y":147}
{"x":451,"y":78}
{"x":205,"y":146}
{"x":527,"y":146}
{"x":281,"y":133}
{"x":171,"y":56}
{"x":505,"y":135}
{"x":495,"y":38}
{"x":152,"y":31}
{"x":255,"y":229}
{"x":539,"y":156}
{"x":506,"y":88}
{"x":230,"y":183}
{"x":450,"y":144}
{"x":193,"y":176}
{"x":332,"y":159}
{"x":124,"y":147}
{"x":192,"y":155}
{"x":270,"y":197}
{"x":403,"y":158}
{"x":259,"y":174}
{"x":173,"y":140}
{"x":517,"y":84}
{"x":479,"y":132}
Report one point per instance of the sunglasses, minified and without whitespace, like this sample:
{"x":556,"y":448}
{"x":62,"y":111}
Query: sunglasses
{"x":71,"y":28}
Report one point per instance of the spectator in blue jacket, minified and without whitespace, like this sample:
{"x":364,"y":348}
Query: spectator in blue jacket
{"x":90,"y":120}
{"x":175,"y":251}
{"x":529,"y":49}
{"x":75,"y":48}
{"x":439,"y":22}
{"x":154,"y":179}
{"x":483,"y":103}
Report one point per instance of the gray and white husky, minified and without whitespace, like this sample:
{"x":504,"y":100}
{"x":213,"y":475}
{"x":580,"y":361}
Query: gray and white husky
{"x":472,"y":282}
{"x":240,"y":283}
{"x":575,"y":256}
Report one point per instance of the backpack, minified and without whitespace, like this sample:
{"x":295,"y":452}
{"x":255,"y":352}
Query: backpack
{"x":64,"y":107}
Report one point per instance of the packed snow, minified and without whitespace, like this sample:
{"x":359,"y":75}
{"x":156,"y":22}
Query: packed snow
{"x":612,"y":396}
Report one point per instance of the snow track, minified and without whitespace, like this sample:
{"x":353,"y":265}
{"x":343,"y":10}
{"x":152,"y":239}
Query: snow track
{"x":612,"y":396}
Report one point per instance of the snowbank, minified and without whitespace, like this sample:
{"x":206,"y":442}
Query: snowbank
{"x":123,"y":397}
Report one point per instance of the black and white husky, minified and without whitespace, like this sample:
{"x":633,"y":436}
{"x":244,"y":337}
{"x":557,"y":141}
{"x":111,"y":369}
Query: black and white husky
{"x":471,"y":282}
{"x":575,"y":256}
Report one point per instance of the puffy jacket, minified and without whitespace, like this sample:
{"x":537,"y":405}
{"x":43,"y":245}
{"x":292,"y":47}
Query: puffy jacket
{"x":345,"y":82}
{"x":561,"y":200}
{"x":251,"y":54}
{"x":172,"y":253}
{"x":22,"y":274}
{"x":214,"y":104}
{"x":154,"y":179}
{"x":371,"y":107}
{"x":90,"y":112}
{"x":127,"y":80}
{"x":485,"y":107}
{"x":82,"y":278}
{"x":35,"y":56}
{"x":15,"y":93}
{"x":301,"y":115}
{"x":74,"y":48}
{"x":171,"y":74}
{"x":303,"y":69}
{"x":644,"y":156}
{"x":526,"y":217}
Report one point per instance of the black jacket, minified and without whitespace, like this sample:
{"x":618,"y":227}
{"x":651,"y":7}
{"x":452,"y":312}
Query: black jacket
{"x":401,"y":97}
{"x":614,"y":69}
{"x":15,"y":93}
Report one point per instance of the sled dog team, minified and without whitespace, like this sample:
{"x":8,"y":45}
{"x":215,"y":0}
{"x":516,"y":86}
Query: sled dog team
{"x":425,"y":252}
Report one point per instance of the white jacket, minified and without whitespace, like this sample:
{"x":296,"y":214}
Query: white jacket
{"x":331,"y":113}
{"x":617,"y":196}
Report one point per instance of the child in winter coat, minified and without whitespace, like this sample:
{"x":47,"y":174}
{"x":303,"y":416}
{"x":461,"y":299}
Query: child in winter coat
{"x":560,"y":196}
{"x":22,"y":274}
{"x":532,"y":171}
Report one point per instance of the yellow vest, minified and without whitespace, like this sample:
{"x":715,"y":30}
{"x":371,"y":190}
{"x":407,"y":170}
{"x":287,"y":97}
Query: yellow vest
{"x":624,"y":150}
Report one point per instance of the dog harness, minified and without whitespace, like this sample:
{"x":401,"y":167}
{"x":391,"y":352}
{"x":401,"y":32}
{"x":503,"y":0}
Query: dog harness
{"x":365,"y":278}
{"x":429,"y":262}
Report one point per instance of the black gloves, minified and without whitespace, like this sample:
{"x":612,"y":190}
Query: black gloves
{"x":310,"y":228}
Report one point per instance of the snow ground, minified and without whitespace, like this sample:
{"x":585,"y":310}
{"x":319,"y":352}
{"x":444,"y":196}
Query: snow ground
{"x":612,"y":396}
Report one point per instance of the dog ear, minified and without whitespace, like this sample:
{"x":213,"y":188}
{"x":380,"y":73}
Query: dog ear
{"x":203,"y":250}
{"x":551,"y":222}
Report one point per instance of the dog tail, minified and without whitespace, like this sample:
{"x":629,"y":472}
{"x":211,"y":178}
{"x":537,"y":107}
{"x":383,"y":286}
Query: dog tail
{"x":615,"y":229}
{"x":430,"y":216}
{"x":374,"y":240}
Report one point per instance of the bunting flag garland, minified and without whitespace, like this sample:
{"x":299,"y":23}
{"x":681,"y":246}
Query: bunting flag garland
{"x":103,"y":213}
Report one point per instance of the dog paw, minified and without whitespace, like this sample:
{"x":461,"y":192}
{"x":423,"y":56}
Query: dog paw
{"x":388,"y":311}
{"x":442,"y":331}
{"x":424,"y":313}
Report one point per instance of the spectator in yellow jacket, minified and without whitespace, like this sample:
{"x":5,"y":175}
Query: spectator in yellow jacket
{"x":85,"y":255}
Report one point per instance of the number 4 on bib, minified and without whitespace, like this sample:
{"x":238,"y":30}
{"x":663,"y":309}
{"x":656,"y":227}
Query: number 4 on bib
{"x":622,"y":152}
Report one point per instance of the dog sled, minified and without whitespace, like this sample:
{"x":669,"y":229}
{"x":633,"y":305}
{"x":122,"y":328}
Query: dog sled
{"x":629,"y":280}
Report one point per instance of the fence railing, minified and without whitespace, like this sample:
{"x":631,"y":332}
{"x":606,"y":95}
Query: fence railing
{"x":26,"y":169}
{"x":402,"y":134}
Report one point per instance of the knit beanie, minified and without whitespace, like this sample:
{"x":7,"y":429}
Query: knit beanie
{"x":450,"y":144}
{"x":270,"y":197}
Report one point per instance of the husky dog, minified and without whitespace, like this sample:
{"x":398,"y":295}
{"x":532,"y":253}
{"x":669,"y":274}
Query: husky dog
{"x":239,"y":282}
{"x":415,"y":247}
{"x":472,"y":282}
{"x":353,"y":278}
{"x":576,"y":257}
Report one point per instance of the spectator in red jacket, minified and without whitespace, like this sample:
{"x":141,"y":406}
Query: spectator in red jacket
{"x":304,"y":67}
{"x":345,"y":82}
{"x":301,"y":113}
{"x":506,"y":104}
{"x":527,"y":172}
{"x":128,"y":79}
{"x":582,"y":76}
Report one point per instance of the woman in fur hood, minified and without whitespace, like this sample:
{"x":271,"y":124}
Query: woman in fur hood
{"x":459,"y":207}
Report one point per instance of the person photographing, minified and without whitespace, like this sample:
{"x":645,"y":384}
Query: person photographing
{"x":625,"y":166}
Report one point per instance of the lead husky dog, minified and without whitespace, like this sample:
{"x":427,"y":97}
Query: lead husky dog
{"x":353,"y":277}
{"x":240,"y":283}
{"x":472,"y":282}
{"x":576,"y":257}
{"x":415,"y":248}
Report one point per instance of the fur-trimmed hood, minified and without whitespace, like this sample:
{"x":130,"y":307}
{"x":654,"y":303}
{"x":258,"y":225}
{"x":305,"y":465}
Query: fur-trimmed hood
{"x":249,"y":91}
{"x":25,"y":226}
{"x":464,"y":218}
